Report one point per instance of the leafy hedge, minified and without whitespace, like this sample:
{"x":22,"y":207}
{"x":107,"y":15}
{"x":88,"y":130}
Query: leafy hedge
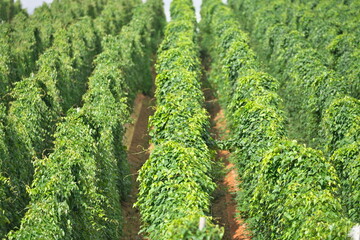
{"x":295,"y":192}
{"x":309,"y":85}
{"x":64,"y":195}
{"x":40,"y":100}
{"x":5,"y":185}
{"x":29,"y":36}
{"x":323,"y":95}
{"x":175,"y":182}
{"x":38,"y":103}
{"x":330,"y":27}
{"x":110,"y":21}
{"x":346,"y":161}
{"x":8,"y":9}
{"x":5,"y":61}
{"x":341,"y":124}
{"x":77,"y":190}
{"x":287,"y":190}
{"x":347,"y":60}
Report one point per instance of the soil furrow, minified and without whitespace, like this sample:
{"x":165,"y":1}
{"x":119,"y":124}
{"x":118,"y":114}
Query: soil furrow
{"x":224,"y":205}
{"x":137,"y":141}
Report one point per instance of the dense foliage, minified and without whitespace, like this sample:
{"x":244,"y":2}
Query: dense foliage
{"x":69,"y":74}
{"x":342,"y":125}
{"x":77,"y":189}
{"x":40,"y":100}
{"x":31,"y":35}
{"x":309,"y":84}
{"x":288,"y":190}
{"x":331,"y":27}
{"x":8,"y":9}
{"x":315,"y":94}
{"x":5,"y":185}
{"x":5,"y":61}
{"x":175,"y":183}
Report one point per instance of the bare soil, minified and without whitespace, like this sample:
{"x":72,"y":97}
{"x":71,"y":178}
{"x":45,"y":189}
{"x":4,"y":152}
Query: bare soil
{"x":137,"y":143}
{"x":224,"y":205}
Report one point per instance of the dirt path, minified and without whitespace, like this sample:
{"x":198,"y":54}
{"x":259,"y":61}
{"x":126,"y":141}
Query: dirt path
{"x":137,"y":143}
{"x":223,"y":205}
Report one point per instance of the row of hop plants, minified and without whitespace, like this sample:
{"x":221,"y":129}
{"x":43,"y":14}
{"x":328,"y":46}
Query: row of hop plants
{"x":341,"y":127}
{"x":8,"y":9}
{"x":335,"y":32}
{"x":77,"y":189}
{"x":309,"y":85}
{"x":330,"y":6}
{"x":40,"y":100}
{"x":330,"y":26}
{"x":322,"y":100}
{"x":5,"y":185}
{"x":176,"y":182}
{"x":25,"y":38}
{"x":288,"y":191}
{"x":316,"y":2}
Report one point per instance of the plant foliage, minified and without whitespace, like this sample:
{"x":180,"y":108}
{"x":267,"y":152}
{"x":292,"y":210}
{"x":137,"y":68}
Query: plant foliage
{"x":287,"y":191}
{"x":77,"y":189}
{"x":175,"y":182}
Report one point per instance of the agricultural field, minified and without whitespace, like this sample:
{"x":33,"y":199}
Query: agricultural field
{"x":116,"y":124}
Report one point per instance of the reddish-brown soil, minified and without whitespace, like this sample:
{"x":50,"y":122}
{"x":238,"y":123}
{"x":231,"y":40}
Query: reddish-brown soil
{"x":137,"y":143}
{"x":224,"y":205}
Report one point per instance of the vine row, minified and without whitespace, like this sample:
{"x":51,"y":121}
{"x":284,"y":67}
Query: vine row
{"x":288,"y":191}
{"x":77,"y":189}
{"x":320,"y":99}
{"x":40,"y":100}
{"x":175,"y":182}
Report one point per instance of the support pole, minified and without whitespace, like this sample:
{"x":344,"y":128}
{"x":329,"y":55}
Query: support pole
{"x":202,"y":223}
